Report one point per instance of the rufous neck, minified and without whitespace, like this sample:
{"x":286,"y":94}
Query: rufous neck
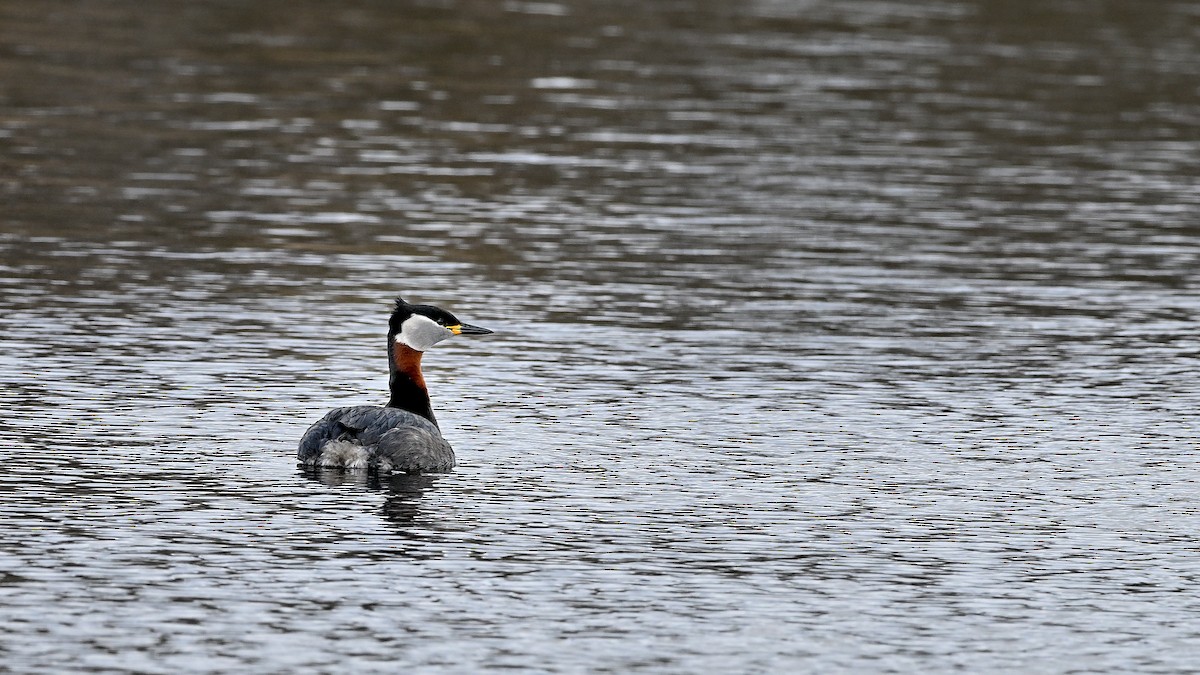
{"x":406,"y":382}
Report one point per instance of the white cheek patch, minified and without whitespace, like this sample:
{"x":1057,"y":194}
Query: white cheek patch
{"x":422,"y":332}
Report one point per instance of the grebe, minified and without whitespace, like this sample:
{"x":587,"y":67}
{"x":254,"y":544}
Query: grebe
{"x":403,"y":436}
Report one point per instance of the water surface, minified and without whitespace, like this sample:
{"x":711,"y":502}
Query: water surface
{"x":830,"y":336}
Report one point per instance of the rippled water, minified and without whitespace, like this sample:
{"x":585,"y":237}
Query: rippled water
{"x":831,"y":336}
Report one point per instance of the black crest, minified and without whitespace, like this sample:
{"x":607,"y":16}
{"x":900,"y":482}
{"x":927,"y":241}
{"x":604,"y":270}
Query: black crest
{"x":403,"y":310}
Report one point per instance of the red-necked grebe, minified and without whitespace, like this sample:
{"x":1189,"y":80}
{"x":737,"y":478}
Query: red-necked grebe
{"x":403,"y":436}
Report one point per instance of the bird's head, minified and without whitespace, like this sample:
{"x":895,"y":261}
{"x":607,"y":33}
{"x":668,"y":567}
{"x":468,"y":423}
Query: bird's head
{"x":420,"y":327}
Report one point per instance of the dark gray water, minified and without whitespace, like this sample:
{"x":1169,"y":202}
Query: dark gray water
{"x":830,"y":336}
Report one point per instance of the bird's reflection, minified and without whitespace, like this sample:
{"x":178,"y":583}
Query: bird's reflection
{"x":404,"y":493}
{"x":402,"y":503}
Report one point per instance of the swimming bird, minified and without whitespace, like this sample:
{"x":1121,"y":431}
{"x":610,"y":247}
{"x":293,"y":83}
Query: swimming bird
{"x":403,"y":436}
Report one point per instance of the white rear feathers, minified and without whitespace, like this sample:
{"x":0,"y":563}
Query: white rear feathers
{"x":343,"y":454}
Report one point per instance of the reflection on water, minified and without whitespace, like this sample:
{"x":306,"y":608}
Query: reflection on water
{"x":403,"y":492}
{"x":830,"y":335}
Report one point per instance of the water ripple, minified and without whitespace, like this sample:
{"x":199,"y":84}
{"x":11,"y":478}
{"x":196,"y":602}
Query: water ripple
{"x":830,"y":336}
